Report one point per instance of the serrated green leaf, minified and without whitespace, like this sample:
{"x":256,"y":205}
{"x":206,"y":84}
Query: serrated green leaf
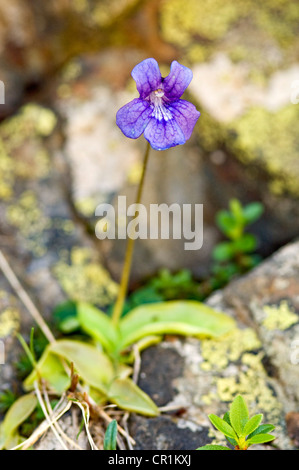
{"x":245,"y":244}
{"x":128,"y":396}
{"x":222,"y":426}
{"x":252,"y":212}
{"x":111,"y":436}
{"x":233,"y":442}
{"x":213,"y":447}
{"x":237,"y":210}
{"x":252,"y":424}
{"x":238,"y":414}
{"x":187,"y":318}
{"x":226,"y":222}
{"x":98,"y":325}
{"x":262,"y":429}
{"x":224,"y":251}
{"x":21,"y":409}
{"x":260,"y":439}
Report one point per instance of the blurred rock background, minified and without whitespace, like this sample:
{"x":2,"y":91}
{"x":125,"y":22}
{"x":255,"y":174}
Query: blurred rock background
{"x":66,"y":68}
{"x":75,"y":59}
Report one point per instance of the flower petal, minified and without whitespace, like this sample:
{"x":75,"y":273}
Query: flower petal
{"x":164,"y":134}
{"x":185,"y":115}
{"x":147,"y":76}
{"x":177,"y":81}
{"x":133,"y":118}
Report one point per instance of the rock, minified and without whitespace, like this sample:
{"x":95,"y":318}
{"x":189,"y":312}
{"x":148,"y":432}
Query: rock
{"x":70,"y":424}
{"x":292,"y":420}
{"x":256,"y":360}
{"x":11,"y":91}
{"x":245,"y":82}
{"x":36,"y":40}
{"x":49,"y":252}
{"x":163,"y":433}
{"x":227,"y":92}
{"x":190,"y":378}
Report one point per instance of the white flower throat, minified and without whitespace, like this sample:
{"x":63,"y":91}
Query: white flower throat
{"x":159,"y":109}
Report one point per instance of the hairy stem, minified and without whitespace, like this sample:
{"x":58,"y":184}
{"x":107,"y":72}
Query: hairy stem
{"x":118,"y":307}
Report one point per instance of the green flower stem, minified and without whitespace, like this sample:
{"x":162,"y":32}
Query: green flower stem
{"x":119,"y":304}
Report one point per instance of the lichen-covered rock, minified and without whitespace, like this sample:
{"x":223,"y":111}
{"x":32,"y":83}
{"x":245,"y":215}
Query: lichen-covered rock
{"x":258,"y":360}
{"x":49,"y":252}
{"x":221,"y":25}
{"x":245,"y":66}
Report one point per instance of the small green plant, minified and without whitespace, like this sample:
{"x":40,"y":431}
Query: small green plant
{"x":101,"y":356}
{"x":24,"y":364}
{"x":7,"y":398}
{"x":237,"y":254}
{"x":104,"y":365}
{"x":165,"y":286}
{"x":240,"y":430}
{"x":110,"y":437}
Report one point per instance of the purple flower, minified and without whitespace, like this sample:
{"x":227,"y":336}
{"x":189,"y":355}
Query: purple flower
{"x":159,"y":113}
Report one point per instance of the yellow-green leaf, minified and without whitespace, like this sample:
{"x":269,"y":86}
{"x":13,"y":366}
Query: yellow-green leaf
{"x":238,"y":414}
{"x":51,"y":370}
{"x":187,"y":318}
{"x":222,"y":426}
{"x":127,"y":395}
{"x":19,"y":411}
{"x":92,"y":365}
{"x":98,"y":325}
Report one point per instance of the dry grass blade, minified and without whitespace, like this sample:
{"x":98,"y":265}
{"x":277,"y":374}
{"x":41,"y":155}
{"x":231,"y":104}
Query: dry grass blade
{"x":24,"y":297}
{"x":44,"y":426}
{"x":56,"y":423}
{"x":84,"y":407}
{"x":48,"y":419}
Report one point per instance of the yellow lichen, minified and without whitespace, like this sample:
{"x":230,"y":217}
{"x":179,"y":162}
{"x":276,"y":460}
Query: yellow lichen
{"x":279,"y":318}
{"x":22,"y":154}
{"x":270,"y":139}
{"x":84,"y":279}
{"x":87,"y":206}
{"x":9,"y":321}
{"x":252,"y":384}
{"x":209,"y":19}
{"x":28,"y":218}
{"x":206,"y":23}
{"x":218,"y":353}
{"x":247,"y":377}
